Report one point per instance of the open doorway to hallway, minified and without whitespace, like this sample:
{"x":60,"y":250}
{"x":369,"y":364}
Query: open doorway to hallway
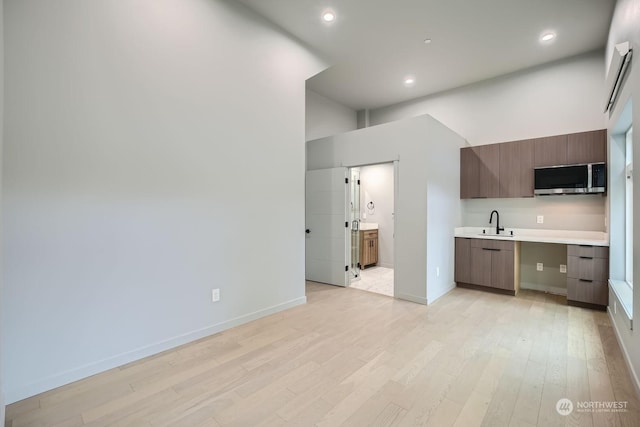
{"x":372,"y":228}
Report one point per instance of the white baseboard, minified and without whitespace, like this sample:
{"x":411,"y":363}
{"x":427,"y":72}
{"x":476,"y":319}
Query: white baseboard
{"x":544,"y":288}
{"x":625,"y":354}
{"x":441,"y":294}
{"x":96,"y":367}
{"x":412,"y":298}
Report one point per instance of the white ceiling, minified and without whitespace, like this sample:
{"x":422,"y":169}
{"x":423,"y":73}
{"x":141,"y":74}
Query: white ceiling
{"x":374,"y":44}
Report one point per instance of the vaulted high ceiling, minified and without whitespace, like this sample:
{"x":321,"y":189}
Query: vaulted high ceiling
{"x":375,"y":44}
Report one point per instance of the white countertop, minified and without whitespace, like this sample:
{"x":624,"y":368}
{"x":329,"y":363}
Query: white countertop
{"x":370,"y":226}
{"x":567,"y":237}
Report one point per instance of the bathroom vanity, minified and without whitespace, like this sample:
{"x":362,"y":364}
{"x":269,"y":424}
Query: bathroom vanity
{"x":368,"y":244}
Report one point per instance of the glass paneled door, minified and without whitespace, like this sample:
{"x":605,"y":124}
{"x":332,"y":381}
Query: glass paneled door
{"x":354,"y":195}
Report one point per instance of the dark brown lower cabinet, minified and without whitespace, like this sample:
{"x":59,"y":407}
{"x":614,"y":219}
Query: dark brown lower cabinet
{"x":462,"y":271}
{"x":493,"y":264}
{"x":480,"y":265}
{"x":503,"y":269}
{"x":487,"y":263}
{"x":587,"y":291}
{"x":587,"y":275}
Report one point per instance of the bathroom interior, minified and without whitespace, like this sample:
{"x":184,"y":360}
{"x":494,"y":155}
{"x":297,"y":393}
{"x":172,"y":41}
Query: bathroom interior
{"x":372,"y":228}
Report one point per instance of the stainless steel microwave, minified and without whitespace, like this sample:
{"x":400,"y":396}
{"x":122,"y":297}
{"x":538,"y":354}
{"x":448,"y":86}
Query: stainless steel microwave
{"x":585,"y":178}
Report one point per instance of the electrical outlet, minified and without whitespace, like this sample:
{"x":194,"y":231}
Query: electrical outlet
{"x":539,"y":266}
{"x":563,"y":268}
{"x":540,"y":219}
{"x":215,"y":295}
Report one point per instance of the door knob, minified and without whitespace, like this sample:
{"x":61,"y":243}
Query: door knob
{"x":307,"y":231}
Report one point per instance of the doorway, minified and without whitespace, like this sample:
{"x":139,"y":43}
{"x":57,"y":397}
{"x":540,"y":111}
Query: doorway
{"x":372,"y":216}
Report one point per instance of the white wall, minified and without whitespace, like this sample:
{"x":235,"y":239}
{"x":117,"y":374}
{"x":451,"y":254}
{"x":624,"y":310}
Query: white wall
{"x":427,"y":204}
{"x":376,"y":185}
{"x":325,"y":117}
{"x":443,"y":210}
{"x":625,"y":26}
{"x":558,"y":98}
{"x":583,"y":212}
{"x":141,"y":139}
{"x":2,"y":399}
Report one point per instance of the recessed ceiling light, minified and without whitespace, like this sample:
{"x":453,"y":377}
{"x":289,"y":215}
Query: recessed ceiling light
{"x":547,"y":36}
{"x":328,"y":16}
{"x":409,"y":81}
{"x":427,"y":41}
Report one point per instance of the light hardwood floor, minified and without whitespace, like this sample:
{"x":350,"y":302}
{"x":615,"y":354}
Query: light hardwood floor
{"x":359,"y":359}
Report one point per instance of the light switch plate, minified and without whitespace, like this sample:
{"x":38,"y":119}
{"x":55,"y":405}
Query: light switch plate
{"x":539,"y":266}
{"x":563,"y":268}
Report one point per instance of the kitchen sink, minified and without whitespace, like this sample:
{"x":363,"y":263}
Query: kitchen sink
{"x":499,"y":236}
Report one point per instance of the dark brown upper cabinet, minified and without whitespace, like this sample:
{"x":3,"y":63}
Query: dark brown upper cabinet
{"x":479,"y":172}
{"x":469,"y":172}
{"x":489,"y":172}
{"x":506,"y":170}
{"x":516,"y":169}
{"x":587,"y":147}
{"x":550,"y":151}
{"x":575,"y":148}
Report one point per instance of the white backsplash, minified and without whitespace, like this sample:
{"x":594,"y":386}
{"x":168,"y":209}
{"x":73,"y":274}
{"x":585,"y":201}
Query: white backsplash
{"x":575,"y":212}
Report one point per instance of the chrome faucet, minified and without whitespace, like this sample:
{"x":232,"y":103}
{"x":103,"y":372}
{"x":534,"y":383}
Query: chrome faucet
{"x":498,"y":228}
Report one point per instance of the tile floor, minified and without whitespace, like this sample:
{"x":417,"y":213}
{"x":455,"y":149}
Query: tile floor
{"x":375,"y":279}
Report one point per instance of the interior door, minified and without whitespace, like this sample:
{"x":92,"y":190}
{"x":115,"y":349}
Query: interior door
{"x":354,"y":205}
{"x":327,"y":223}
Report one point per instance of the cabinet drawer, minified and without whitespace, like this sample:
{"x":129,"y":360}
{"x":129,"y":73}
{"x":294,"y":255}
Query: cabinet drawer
{"x":370,"y":234}
{"x":588,"y":251}
{"x":493,"y":244}
{"x":596,"y":269}
{"x":595,"y":292}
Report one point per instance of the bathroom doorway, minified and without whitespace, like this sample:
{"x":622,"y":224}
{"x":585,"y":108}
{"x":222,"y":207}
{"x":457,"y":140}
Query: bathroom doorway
{"x":372,"y":215}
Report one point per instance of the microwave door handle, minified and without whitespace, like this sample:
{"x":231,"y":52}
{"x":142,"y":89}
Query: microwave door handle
{"x":589,"y":177}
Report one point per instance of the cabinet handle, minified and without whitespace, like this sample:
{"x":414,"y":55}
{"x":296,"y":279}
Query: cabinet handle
{"x":586,"y":257}
{"x":585,"y":280}
{"x":491,"y":249}
{"x":586,"y":246}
